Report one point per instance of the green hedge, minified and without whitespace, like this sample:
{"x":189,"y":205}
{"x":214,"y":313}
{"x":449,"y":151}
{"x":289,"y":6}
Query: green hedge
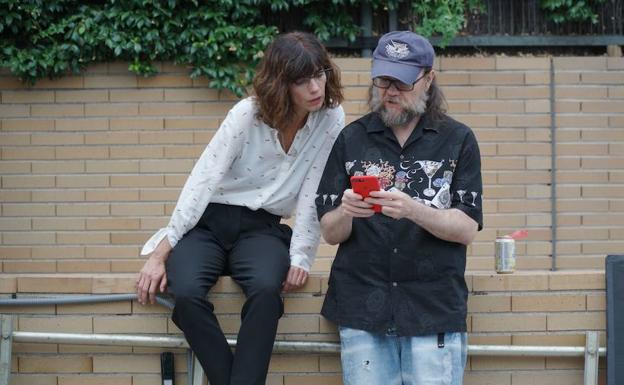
{"x":49,"y":38}
{"x":220,"y":39}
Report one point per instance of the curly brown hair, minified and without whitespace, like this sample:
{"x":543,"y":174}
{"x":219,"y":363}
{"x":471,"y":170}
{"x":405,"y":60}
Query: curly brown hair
{"x":289,"y":57}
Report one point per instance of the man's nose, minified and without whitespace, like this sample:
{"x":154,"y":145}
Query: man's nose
{"x":393,"y":89}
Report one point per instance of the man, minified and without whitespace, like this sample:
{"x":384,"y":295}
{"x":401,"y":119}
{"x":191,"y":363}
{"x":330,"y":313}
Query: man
{"x":397,"y":288}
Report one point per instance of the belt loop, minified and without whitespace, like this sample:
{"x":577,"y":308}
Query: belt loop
{"x":440,"y":340}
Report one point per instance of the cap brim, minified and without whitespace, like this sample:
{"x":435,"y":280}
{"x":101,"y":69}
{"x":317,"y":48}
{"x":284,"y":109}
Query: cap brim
{"x":403,"y":72}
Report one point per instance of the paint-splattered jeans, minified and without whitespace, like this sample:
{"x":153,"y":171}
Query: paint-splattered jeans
{"x":388,"y":359}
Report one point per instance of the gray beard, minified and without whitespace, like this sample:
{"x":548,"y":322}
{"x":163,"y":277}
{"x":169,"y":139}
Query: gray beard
{"x":407,"y":114}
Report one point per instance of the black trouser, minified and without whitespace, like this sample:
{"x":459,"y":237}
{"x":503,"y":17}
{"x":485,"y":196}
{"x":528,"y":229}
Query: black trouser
{"x":252,"y":247}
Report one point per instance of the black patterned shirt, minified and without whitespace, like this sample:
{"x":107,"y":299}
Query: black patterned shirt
{"x":393,"y":273}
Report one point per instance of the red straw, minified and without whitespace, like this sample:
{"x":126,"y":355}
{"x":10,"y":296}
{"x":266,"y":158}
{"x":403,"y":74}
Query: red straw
{"x":519,"y":234}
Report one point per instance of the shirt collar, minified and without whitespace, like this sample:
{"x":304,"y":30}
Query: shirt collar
{"x":311,"y":120}
{"x":427,"y":123}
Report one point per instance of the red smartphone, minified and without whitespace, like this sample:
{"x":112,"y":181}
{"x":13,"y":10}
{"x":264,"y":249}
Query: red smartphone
{"x":363,"y":185}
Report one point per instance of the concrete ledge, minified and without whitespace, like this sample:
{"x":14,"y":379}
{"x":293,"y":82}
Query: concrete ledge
{"x":477,"y":281}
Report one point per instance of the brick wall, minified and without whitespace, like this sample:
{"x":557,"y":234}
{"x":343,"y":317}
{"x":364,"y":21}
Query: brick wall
{"x":92,"y":164}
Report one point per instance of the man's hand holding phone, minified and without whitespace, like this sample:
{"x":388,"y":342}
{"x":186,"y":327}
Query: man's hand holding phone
{"x":353,"y":199}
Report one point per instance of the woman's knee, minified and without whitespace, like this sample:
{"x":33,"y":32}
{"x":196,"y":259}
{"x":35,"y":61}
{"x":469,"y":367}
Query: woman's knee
{"x":186,"y":294}
{"x":188,"y":306}
{"x":265,"y":296}
{"x":265,"y":289}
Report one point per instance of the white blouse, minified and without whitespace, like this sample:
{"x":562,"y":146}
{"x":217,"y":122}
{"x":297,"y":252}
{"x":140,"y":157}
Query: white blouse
{"x":245,"y":165}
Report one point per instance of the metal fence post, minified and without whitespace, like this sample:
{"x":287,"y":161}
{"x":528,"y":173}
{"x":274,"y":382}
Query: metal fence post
{"x":366,"y":15}
{"x":6,"y":335}
{"x":591,"y":358}
{"x":392,"y":20}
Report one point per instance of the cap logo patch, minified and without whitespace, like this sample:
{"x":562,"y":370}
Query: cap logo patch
{"x":397,"y":50}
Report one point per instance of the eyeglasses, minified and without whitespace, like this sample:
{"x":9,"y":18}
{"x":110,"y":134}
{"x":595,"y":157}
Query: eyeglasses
{"x":319,"y":76}
{"x":385,"y":83}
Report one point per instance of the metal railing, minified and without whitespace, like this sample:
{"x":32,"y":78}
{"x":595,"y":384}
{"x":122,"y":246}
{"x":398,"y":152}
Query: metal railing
{"x":591,"y":351}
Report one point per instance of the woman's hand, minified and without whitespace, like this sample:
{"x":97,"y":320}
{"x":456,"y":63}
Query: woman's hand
{"x":153,"y":275}
{"x":295,"y":278}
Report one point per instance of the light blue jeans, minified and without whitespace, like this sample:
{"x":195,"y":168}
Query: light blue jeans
{"x":388,"y":359}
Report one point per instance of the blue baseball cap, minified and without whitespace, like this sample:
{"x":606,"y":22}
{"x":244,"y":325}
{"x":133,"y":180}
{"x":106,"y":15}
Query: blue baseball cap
{"x":402,"y":55}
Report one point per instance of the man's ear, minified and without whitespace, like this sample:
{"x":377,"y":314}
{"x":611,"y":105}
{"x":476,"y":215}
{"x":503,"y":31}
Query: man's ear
{"x":430,"y":76}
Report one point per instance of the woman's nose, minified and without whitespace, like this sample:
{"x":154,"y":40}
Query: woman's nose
{"x":314,"y":85}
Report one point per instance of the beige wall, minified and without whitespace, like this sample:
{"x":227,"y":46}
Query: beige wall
{"x":92,"y":164}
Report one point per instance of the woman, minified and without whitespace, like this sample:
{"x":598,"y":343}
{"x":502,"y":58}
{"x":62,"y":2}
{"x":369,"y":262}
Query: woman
{"x":264,"y":162}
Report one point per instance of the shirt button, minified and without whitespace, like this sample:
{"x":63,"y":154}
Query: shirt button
{"x":395,"y":250}
{"x":401,"y":156}
{"x":395,"y":284}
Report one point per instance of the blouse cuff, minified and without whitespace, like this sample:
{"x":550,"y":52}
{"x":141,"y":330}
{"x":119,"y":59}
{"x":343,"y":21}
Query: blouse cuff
{"x":301,"y":260}
{"x":153,"y":242}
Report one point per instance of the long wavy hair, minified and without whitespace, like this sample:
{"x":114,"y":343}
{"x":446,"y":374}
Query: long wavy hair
{"x":289,"y":57}
{"x":436,"y":102}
